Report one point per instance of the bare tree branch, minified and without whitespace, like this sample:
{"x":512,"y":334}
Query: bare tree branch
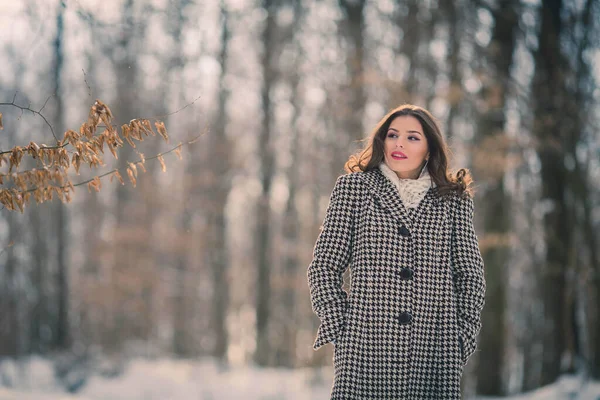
{"x":28,"y":108}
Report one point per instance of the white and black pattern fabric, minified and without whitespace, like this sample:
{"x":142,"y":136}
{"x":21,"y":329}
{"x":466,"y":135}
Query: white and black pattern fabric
{"x":411,"y":317}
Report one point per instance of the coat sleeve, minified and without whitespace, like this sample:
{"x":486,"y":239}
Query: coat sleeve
{"x":468,"y":275}
{"x":331,"y":257}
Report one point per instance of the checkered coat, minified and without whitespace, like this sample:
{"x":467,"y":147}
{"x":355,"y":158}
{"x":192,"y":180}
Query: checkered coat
{"x":409,"y":322}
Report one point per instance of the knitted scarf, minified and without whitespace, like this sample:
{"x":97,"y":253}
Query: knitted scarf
{"x":411,"y":191}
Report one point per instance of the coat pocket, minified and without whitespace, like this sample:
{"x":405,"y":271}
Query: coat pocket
{"x":331,"y":325}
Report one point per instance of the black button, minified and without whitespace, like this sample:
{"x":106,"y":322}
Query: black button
{"x":406,"y":273}
{"x":405,"y":318}
{"x":403,"y":231}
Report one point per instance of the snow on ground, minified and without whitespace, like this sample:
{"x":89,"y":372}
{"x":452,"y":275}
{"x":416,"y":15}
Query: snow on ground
{"x":169,"y":379}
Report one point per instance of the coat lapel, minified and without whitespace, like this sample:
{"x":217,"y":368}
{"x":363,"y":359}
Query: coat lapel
{"x":386,"y":195}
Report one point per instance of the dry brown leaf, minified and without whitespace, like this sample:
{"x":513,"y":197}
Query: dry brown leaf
{"x":105,"y":119}
{"x":178,"y":152}
{"x":76,"y":161}
{"x":162,"y":163}
{"x":96,"y":161}
{"x":1,"y":126}
{"x":119,"y":177}
{"x":15,"y":158}
{"x":148,"y":127}
{"x":19,"y":200}
{"x":135,"y":129}
{"x":112,"y":150}
{"x":145,"y":127}
{"x":160,"y":127}
{"x":61,"y":177}
{"x":133,"y":168}
{"x":130,"y":142}
{"x":63,"y":160}
{"x":131,"y":176}
{"x":4,"y":198}
{"x":33,"y":149}
{"x":100,"y":140}
{"x":95,"y":184}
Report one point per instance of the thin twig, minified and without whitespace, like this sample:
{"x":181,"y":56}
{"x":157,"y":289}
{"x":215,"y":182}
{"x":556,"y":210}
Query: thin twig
{"x":175,"y":112}
{"x":86,"y":83}
{"x":46,"y":102}
{"x":28,"y":108}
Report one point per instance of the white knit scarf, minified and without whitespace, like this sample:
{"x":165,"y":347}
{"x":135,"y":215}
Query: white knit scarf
{"x":411,"y":191}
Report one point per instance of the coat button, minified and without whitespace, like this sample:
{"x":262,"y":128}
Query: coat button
{"x":405,"y":318}
{"x":406,"y":273}
{"x":404,"y":231}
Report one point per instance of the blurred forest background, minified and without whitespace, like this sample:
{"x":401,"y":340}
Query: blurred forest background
{"x":210,"y":258}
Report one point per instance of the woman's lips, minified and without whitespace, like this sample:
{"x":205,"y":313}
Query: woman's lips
{"x":398,"y":155}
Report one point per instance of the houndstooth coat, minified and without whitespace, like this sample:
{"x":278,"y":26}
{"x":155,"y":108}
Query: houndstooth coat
{"x":409,"y":322}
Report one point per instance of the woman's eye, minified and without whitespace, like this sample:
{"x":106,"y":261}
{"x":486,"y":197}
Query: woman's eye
{"x":413,"y":138}
{"x":391,"y":135}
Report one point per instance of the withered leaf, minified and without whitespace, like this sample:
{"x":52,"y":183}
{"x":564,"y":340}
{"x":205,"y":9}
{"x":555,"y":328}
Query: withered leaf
{"x":162,"y":163}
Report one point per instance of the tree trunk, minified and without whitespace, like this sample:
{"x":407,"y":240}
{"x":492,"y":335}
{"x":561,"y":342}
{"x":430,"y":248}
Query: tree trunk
{"x":291,"y":264}
{"x":262,"y":353}
{"x":41,"y":330}
{"x":549,"y":97}
{"x":493,"y":144}
{"x":121,"y":324}
{"x":409,"y":47}
{"x":455,"y":89}
{"x":63,"y":334}
{"x":353,"y":28}
{"x":586,"y":292}
{"x":218,"y":235}
{"x":11,"y":330}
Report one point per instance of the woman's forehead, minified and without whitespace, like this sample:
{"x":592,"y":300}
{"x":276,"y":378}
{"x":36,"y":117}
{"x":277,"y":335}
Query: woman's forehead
{"x":406,"y":123}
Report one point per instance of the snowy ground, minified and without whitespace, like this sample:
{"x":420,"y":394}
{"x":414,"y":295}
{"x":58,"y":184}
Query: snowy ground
{"x":169,"y":379}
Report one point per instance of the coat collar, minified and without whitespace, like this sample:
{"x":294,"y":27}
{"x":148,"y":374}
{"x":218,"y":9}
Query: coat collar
{"x":386,"y":194}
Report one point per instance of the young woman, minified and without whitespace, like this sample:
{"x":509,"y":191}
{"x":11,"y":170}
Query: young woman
{"x":403,"y":224}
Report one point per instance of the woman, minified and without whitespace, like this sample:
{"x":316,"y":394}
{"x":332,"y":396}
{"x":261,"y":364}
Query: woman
{"x":403,"y":224}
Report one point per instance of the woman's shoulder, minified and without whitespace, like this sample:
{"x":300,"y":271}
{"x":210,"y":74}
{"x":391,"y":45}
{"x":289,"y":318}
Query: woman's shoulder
{"x":460,"y":202}
{"x":355,"y":178}
{"x":455,"y":199}
{"x":351,"y":184}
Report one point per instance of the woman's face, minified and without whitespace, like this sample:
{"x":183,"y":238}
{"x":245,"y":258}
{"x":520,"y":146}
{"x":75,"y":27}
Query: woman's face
{"x":405,"y":147}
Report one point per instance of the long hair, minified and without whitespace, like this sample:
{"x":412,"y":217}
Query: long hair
{"x":373,"y":153}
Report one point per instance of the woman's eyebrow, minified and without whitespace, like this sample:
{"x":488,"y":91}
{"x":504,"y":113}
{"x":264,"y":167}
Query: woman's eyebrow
{"x":415,"y":132}
{"x":397,"y":131}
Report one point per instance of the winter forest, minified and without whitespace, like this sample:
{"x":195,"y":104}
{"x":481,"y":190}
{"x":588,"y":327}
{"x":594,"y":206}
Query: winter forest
{"x":191,"y":204}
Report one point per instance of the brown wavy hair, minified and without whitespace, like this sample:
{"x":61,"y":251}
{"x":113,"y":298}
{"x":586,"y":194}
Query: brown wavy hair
{"x":439,"y":154}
